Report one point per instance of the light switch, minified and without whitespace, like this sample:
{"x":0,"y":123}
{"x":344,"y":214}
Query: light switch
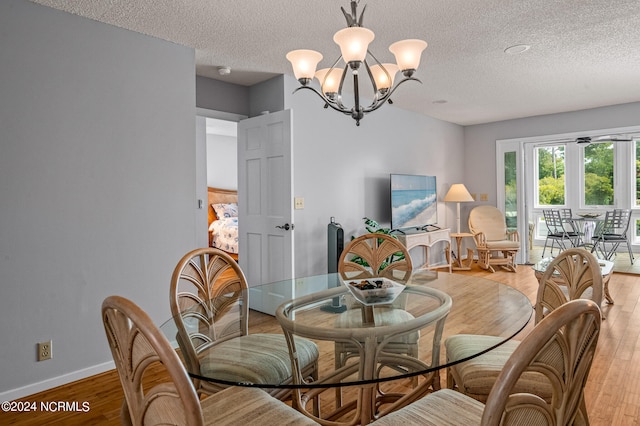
{"x":298,"y":203}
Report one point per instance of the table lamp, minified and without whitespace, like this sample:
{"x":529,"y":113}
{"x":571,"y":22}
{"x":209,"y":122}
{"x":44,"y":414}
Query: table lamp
{"x":458,"y":194}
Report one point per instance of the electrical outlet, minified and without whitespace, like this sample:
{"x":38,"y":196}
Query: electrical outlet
{"x":484,"y":197}
{"x":44,"y":351}
{"x":298,"y":203}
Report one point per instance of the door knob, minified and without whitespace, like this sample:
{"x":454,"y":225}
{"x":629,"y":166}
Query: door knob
{"x":286,"y":226}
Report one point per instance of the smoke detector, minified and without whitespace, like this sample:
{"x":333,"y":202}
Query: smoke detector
{"x":224,"y":70}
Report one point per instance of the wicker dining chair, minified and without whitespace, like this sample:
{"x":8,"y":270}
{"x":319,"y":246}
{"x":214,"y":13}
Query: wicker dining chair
{"x":139,"y":347}
{"x":369,"y":256}
{"x":573,"y":274}
{"x":209,"y":303}
{"x":560,"y":348}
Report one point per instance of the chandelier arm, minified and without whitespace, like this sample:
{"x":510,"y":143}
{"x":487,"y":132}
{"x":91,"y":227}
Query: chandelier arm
{"x":327,"y":101}
{"x":338,"y":100}
{"x":382,"y":100}
{"x":373,"y":80}
{"x":356,"y":93}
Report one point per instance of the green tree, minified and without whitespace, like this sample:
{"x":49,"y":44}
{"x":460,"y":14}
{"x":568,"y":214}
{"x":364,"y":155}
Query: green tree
{"x":598,"y":171}
{"x":598,"y":190}
{"x":551,"y":191}
{"x":551,"y":162}
{"x":551,"y":175}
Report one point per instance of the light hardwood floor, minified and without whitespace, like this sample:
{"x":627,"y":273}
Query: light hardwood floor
{"x":612,"y":392}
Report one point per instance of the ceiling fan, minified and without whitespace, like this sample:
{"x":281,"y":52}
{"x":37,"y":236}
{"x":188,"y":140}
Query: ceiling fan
{"x":584,"y":140}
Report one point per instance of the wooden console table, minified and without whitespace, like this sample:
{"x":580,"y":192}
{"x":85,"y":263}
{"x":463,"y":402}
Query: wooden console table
{"x":428,"y":239}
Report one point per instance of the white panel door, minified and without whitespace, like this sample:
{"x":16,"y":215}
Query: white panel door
{"x":265,"y":206}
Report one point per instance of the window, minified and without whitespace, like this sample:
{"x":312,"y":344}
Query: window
{"x":598,"y":174}
{"x":550,"y":178}
{"x":511,"y":190}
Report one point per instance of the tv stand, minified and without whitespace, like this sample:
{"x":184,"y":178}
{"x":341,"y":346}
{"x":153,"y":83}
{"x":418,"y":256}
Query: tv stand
{"x":427,"y":239}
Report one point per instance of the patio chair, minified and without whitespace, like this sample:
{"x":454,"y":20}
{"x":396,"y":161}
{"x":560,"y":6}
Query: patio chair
{"x":612,"y":233}
{"x":559,"y":230}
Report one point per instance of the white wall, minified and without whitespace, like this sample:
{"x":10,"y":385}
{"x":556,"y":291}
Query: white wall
{"x":97,"y":185}
{"x":343,"y":171}
{"x":222,"y":161}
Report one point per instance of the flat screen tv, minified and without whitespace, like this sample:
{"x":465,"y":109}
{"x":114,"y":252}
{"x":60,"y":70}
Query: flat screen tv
{"x":413,"y":201}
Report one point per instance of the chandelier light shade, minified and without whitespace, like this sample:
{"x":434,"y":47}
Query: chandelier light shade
{"x":304,"y":63}
{"x":384,"y":74}
{"x":329,"y":79}
{"x":356,"y":59}
{"x":354,"y":43}
{"x":408,"y":53}
{"x":458,"y":193}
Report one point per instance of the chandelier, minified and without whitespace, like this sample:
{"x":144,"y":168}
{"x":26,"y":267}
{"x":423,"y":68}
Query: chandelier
{"x":354,"y":48}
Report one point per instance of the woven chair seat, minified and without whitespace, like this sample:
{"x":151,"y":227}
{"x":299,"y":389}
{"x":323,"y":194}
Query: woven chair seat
{"x":258,"y":408}
{"x":352,"y":318}
{"x":256,"y":358}
{"x":442,"y":408}
{"x":478,"y":375}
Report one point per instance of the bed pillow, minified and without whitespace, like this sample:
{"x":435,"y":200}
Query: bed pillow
{"x":225,"y":210}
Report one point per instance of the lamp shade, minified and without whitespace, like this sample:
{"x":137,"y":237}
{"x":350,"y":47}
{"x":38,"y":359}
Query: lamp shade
{"x":354,"y":42}
{"x":408,"y":53}
{"x":304,"y":63}
{"x":458,"y":193}
{"x":329,"y":79}
{"x":384,"y":80}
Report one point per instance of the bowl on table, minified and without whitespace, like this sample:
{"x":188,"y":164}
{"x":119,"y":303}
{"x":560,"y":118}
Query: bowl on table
{"x":589,"y":215}
{"x":374,"y":291}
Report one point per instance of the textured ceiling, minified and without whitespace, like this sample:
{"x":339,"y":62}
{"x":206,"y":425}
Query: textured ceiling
{"x":584,"y":53}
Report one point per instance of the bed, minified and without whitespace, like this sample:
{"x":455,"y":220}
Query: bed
{"x":223,"y":220}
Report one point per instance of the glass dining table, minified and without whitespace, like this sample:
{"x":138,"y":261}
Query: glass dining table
{"x":381,"y":348}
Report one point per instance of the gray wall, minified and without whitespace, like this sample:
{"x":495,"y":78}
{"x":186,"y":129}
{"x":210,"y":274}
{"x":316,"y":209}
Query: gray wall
{"x":267,"y":96}
{"x":342,"y":170}
{"x":220,"y":96}
{"x":96,"y":185}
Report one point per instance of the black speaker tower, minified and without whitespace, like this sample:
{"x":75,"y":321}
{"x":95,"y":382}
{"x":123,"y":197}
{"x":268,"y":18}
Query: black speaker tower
{"x":335,"y":245}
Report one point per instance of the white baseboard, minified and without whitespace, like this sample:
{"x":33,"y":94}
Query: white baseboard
{"x":33,"y":388}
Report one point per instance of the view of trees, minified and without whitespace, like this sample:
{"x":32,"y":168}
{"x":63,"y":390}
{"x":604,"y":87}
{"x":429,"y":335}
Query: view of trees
{"x":598,"y":175}
{"x":551,"y":175}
